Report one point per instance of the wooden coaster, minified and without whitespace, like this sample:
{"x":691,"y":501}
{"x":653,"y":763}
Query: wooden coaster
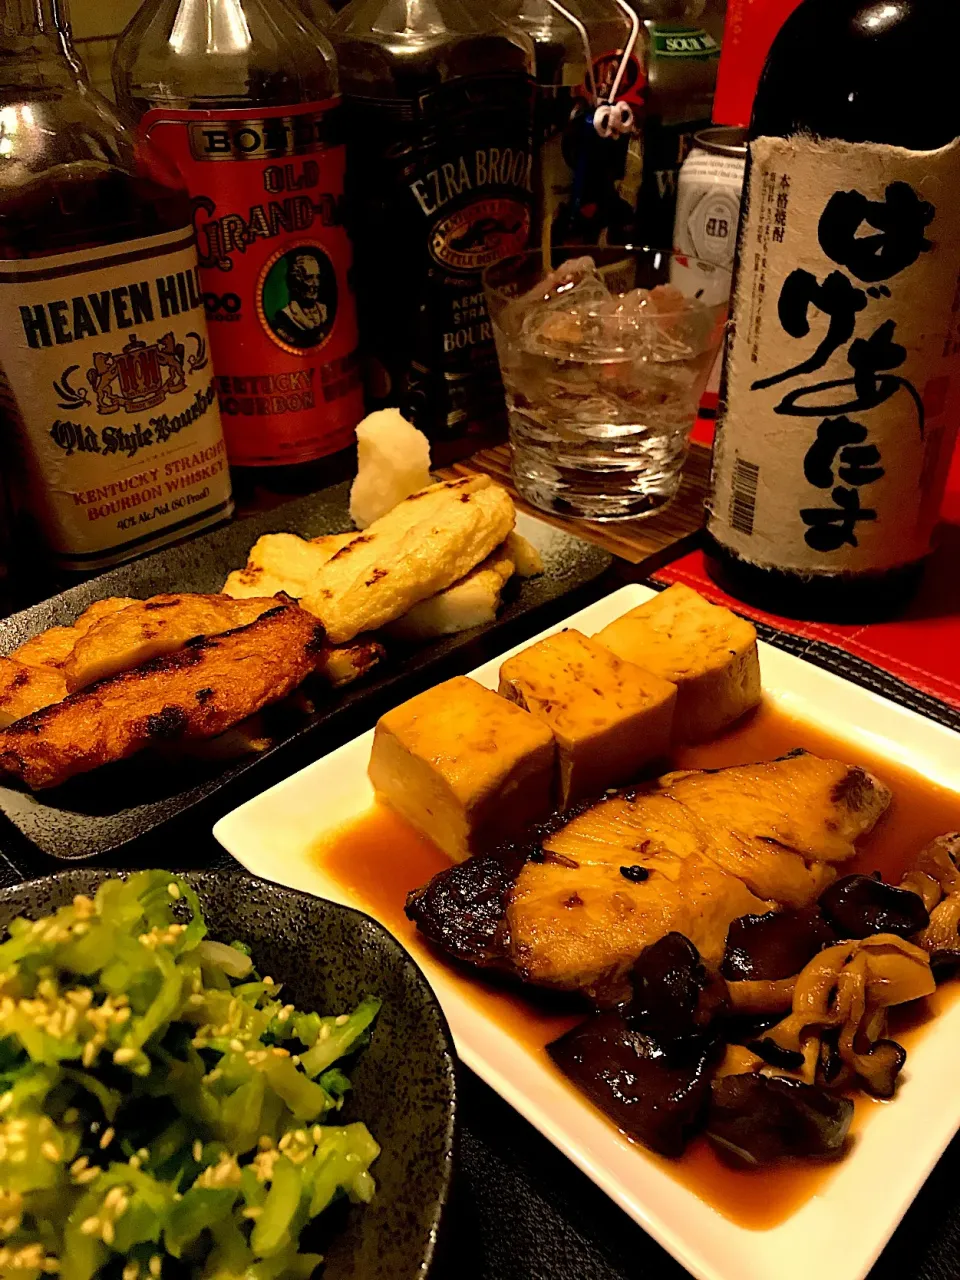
{"x":651,"y":541}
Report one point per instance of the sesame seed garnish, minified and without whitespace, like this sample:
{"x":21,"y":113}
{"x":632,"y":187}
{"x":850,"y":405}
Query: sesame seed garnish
{"x":236,"y":1045}
{"x":173,"y":890}
{"x":107,"y":1138}
{"x":135,"y":1162}
{"x":198,"y":1150}
{"x":131,"y":1271}
{"x":5,"y":1100}
{"x":156,"y":1262}
{"x":107,"y":1233}
{"x":90,"y":1226}
{"x":50,"y":1152}
{"x":122,"y":1056}
{"x":342,"y":1019}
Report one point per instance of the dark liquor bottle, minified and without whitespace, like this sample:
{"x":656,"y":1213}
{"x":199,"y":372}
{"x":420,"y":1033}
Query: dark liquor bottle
{"x":682,"y":75}
{"x":110,"y":433}
{"x":242,"y":96}
{"x":585,"y":187}
{"x":440,"y":101}
{"x":842,"y":378}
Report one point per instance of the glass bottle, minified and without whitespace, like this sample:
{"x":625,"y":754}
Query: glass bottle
{"x":440,"y":100}
{"x":242,"y":95}
{"x":111,"y":437}
{"x":841,"y":387}
{"x":586,"y":187}
{"x":682,"y":76}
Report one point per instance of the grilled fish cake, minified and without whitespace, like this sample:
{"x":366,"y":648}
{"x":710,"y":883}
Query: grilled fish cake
{"x":25,"y":689}
{"x":283,"y":562}
{"x":153,"y":628}
{"x":53,"y":647}
{"x":32,"y":676}
{"x":415,"y":551}
{"x":198,"y":692}
{"x":690,"y":852}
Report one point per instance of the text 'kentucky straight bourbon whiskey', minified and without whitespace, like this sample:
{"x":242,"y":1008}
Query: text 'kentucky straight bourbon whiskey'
{"x":111,"y":435}
{"x":242,"y":96}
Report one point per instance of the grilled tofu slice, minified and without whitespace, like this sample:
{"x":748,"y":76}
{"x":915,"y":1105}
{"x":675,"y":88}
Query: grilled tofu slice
{"x":709,"y":653}
{"x":153,"y":628}
{"x":283,"y":563}
{"x":342,"y":664}
{"x":198,"y":692}
{"x":609,"y":717}
{"x":416,"y":550}
{"x":463,"y":765}
{"x":689,"y":852}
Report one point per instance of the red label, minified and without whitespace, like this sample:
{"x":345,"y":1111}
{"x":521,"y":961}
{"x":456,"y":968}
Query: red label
{"x":633,"y":84}
{"x":751,"y":28}
{"x":275,"y":257}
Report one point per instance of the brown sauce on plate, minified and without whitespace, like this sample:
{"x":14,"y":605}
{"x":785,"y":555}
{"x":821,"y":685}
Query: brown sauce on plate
{"x":379,"y":859}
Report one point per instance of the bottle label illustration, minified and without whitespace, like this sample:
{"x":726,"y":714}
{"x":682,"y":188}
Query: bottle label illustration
{"x":275,"y":261}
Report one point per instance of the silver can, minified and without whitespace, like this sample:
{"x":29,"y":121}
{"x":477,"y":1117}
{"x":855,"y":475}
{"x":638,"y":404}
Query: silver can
{"x":708,"y":196}
{"x":708,"y":215}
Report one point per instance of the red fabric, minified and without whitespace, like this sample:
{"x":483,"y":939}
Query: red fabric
{"x":922,"y":647}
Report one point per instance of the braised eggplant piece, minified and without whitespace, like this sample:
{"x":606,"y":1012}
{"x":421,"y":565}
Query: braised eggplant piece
{"x":654,"y":1094}
{"x":858,"y":906}
{"x":674,"y":994}
{"x":765,"y":948}
{"x":462,"y":908}
{"x":763,"y":1119}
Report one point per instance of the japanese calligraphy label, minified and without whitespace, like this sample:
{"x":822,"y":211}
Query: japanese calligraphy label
{"x":275,"y":261}
{"x":843,"y":372}
{"x":107,"y":383}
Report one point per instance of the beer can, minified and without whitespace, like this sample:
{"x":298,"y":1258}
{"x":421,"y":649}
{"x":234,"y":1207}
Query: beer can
{"x":708,"y":214}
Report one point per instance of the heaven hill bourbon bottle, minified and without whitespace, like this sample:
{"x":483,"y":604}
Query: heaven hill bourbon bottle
{"x":111,"y":437}
{"x":440,"y":100}
{"x":242,"y":96}
{"x":841,"y":388}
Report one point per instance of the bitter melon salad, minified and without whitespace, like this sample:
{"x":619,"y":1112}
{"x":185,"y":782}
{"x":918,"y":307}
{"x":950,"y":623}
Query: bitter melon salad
{"x":163,"y":1111}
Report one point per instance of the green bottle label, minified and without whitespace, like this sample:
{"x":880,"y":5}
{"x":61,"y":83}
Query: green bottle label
{"x":683,"y":42}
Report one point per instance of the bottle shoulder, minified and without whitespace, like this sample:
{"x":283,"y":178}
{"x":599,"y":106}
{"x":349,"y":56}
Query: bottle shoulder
{"x":73,"y":175}
{"x":210,"y":54}
{"x":861,"y":71}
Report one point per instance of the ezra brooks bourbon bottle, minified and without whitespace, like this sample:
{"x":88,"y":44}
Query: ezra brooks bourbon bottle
{"x":440,"y":108}
{"x":242,"y":96}
{"x":842,"y":378}
{"x":110,"y":431}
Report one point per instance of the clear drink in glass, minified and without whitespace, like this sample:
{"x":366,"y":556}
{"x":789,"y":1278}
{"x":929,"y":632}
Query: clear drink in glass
{"x":604,"y":361}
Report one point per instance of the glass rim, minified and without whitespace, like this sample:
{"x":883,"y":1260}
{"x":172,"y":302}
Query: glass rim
{"x":586,"y":251}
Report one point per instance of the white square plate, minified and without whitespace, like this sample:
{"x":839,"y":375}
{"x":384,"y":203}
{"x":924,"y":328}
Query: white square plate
{"x":835,"y":1235}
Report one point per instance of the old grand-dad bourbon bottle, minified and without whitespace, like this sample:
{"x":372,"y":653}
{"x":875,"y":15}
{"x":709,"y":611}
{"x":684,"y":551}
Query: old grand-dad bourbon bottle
{"x":110,"y":429}
{"x":242,"y":96}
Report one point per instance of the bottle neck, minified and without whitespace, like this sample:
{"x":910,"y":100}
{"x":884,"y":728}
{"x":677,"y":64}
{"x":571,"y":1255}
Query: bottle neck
{"x":36,"y":42}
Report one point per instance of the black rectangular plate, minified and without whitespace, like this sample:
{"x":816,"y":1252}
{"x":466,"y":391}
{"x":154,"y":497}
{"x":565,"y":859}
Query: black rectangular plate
{"x":111,"y":807}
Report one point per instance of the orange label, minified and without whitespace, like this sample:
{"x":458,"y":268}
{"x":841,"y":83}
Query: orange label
{"x":275,"y":258}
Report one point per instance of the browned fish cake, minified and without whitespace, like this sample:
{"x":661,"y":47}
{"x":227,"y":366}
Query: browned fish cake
{"x":209,"y":685}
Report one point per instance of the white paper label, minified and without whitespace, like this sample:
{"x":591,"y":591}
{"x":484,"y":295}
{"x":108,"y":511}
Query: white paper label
{"x":843,"y":372}
{"x":108,"y":389}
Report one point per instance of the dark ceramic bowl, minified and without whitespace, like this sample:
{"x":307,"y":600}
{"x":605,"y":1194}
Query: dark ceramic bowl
{"x":328,"y":957}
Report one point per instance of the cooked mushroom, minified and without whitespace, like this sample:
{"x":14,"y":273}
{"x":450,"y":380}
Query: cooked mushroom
{"x":674,"y":994}
{"x":858,"y":906}
{"x":656,"y":1096}
{"x":762,"y":1120}
{"x":934,"y":874}
{"x":774,"y":945}
{"x":849,"y":987}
